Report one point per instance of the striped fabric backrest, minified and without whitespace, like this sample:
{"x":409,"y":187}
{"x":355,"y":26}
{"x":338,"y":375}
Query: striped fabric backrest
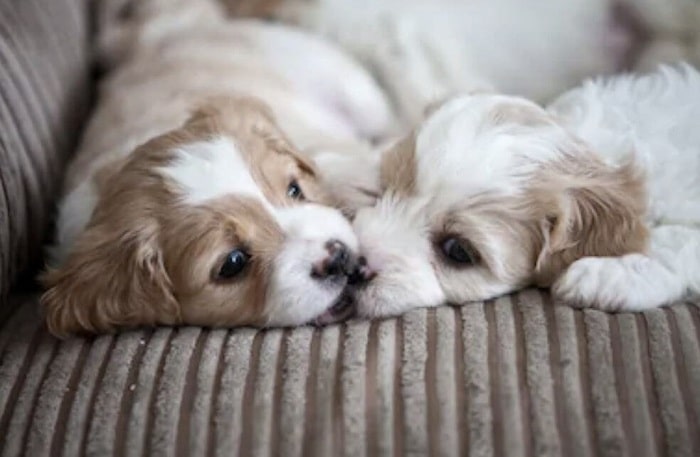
{"x":44,"y":90}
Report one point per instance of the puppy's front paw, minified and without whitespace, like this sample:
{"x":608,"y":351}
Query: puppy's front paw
{"x":628,"y":283}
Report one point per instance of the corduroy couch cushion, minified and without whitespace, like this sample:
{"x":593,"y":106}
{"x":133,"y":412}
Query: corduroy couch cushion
{"x":520,"y":376}
{"x":44,"y":90}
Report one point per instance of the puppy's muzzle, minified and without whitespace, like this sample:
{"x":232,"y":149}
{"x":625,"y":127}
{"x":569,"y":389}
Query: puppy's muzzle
{"x":341,"y":265}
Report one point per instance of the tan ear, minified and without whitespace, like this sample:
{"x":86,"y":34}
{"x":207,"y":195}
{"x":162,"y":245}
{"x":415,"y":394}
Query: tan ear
{"x":589,"y":210}
{"x":110,"y":280}
{"x":397,"y":171}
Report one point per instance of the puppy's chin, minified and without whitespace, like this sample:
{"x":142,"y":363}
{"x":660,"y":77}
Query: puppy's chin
{"x":384,"y":297}
{"x":305,"y":300}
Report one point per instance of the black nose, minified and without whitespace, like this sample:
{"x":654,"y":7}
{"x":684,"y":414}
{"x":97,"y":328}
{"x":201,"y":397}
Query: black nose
{"x":341,"y":262}
{"x":360,"y":272}
{"x":336,"y":262}
{"x":338,"y":258}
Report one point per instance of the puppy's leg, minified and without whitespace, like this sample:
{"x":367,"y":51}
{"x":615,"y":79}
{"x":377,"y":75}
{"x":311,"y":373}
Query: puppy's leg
{"x":633,"y":282}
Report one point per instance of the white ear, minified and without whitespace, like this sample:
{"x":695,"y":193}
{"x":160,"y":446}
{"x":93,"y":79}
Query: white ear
{"x":350,"y":173}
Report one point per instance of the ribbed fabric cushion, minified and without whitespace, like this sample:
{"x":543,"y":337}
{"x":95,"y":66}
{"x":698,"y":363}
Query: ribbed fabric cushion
{"x":516,"y":377}
{"x":43,"y":93}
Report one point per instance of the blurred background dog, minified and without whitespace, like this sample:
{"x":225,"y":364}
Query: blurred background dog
{"x":420,"y":50}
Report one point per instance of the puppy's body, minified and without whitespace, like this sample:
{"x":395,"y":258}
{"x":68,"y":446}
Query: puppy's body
{"x":597,"y":197}
{"x":170,"y":73}
{"x":188,"y":201}
{"x":651,"y":120}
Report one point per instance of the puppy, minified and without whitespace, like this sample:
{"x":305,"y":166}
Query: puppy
{"x":189,"y":200}
{"x":597,"y":197}
{"x":421,"y":50}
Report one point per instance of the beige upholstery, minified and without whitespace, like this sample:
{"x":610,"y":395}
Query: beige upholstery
{"x":44,"y":91}
{"x":517,"y":377}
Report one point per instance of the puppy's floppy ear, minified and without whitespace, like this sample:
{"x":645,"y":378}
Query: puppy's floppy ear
{"x":589,"y":209}
{"x":112,"y":278}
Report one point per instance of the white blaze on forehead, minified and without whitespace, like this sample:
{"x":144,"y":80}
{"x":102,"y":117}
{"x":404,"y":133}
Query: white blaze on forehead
{"x":210,"y":169}
{"x":463,"y":149}
{"x":316,"y":222}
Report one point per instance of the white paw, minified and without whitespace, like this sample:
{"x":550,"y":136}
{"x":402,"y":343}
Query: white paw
{"x":631,"y":282}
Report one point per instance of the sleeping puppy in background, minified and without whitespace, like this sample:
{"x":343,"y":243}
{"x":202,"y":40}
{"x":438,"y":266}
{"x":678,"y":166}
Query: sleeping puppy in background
{"x":420,"y":49}
{"x":597,"y":197}
{"x":189,"y":200}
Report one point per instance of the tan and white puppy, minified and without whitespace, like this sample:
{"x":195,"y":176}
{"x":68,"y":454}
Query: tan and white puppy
{"x":597,"y":197}
{"x":189,"y":201}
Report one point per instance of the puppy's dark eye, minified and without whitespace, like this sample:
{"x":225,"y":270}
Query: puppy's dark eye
{"x":233,"y":265}
{"x":458,"y":251}
{"x":294,"y":191}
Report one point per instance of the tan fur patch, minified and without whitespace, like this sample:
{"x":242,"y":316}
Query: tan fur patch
{"x":398,"y":167}
{"x":114,"y":276}
{"x":196,"y":244}
{"x":589,"y":209}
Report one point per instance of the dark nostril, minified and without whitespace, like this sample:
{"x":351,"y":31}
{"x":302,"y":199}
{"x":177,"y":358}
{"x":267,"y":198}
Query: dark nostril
{"x":361,"y":272}
{"x":341,"y":261}
{"x":337,"y":259}
{"x":335,"y":263}
{"x":355,"y":277}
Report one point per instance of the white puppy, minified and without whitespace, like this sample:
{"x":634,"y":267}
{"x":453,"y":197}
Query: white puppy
{"x":597,"y":197}
{"x":420,"y":50}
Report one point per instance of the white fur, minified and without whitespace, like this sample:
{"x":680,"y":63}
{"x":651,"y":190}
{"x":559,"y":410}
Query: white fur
{"x":448,"y":145}
{"x":652,"y":117}
{"x":459,"y":157}
{"x":210,"y":169}
{"x":421,"y":50}
{"x":655,"y":118}
{"x":396,"y":245}
{"x":294,"y":296}
{"x":330,"y":78}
